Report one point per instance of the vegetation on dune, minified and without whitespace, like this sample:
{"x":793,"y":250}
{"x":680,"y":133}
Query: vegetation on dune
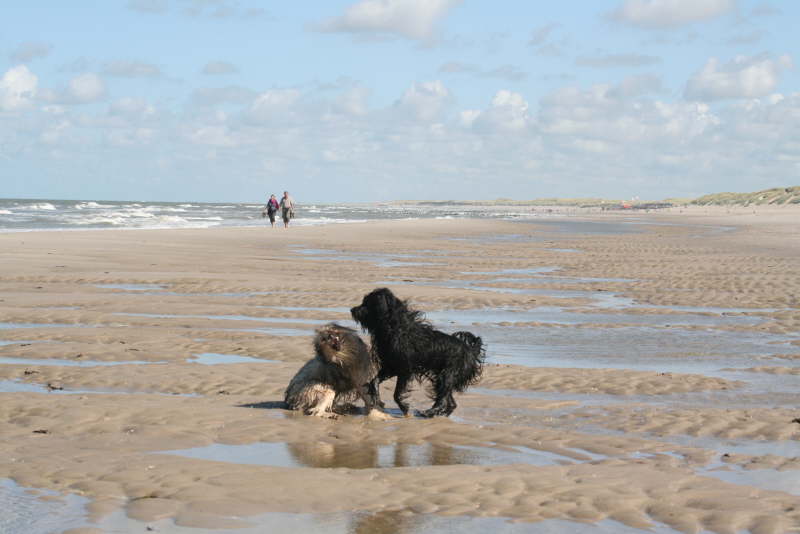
{"x":775,"y":196}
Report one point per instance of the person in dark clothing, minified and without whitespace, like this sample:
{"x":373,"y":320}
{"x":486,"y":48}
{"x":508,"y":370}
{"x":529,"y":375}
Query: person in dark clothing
{"x":271,"y":209}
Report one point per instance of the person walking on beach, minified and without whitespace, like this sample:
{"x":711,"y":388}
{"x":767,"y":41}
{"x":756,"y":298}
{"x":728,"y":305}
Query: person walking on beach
{"x":287,"y":208}
{"x":270,"y":209}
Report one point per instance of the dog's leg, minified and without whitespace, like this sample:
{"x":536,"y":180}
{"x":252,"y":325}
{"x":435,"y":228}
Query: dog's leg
{"x":373,"y":390}
{"x":400,"y":393}
{"x":324,"y":405}
{"x":444,"y":403}
{"x":373,"y":412}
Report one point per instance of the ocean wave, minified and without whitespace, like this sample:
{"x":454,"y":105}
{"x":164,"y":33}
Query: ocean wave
{"x":92,"y":205}
{"x":5,"y":212}
{"x":43,"y":206}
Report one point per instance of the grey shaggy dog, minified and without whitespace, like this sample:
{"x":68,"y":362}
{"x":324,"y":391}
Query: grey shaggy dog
{"x":342,"y":370}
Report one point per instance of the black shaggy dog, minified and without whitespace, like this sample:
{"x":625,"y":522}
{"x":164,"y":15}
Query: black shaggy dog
{"x":408,"y":347}
{"x":342,"y":370}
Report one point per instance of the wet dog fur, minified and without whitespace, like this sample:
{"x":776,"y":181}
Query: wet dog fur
{"x":342,"y":370}
{"x":408,"y":347}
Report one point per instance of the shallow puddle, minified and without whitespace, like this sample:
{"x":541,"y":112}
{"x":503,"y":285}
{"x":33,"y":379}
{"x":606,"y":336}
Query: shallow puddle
{"x":362,"y":456}
{"x":27,"y":511}
{"x":273,"y":331}
{"x":132,"y":287}
{"x":15,"y":386}
{"x":591,"y":227}
{"x":214,"y":358}
{"x":766,"y":479}
{"x":378,"y":259}
{"x":333,"y":309}
{"x":6,"y":343}
{"x":528,"y":271}
{"x":526,"y":345}
{"x":558,"y":315}
{"x":70,"y":363}
{"x":786,"y":449}
{"x":13,"y":326}
{"x":227,"y":318}
{"x":383,"y":522}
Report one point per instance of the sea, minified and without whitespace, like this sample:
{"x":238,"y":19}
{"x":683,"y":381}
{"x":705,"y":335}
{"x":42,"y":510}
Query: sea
{"x":25,"y":215}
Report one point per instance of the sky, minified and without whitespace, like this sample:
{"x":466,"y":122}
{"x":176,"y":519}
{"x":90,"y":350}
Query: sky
{"x":376,"y":100}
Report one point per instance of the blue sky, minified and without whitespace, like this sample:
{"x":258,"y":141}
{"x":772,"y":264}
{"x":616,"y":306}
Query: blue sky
{"x":229,"y":100}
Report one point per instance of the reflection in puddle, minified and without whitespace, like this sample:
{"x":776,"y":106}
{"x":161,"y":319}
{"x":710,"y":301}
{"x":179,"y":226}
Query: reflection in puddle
{"x":364,"y":456}
{"x":70,"y":363}
{"x":549,"y":346}
{"x":786,"y":449}
{"x":14,"y":386}
{"x":378,"y":259}
{"x":132,"y":287}
{"x":767,"y":479}
{"x":227,"y":318}
{"x":337,"y":309}
{"x":12,"y":326}
{"x":558,"y":315}
{"x":27,"y":511}
{"x":383,"y":522}
{"x":213,"y":358}
{"x":591,"y":227}
{"x":529,"y":271}
{"x":272,"y":331}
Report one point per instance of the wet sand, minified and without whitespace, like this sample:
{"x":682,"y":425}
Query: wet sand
{"x":643,"y":374}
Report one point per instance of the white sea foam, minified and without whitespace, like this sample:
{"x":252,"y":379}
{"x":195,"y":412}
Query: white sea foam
{"x":44,"y":206}
{"x":92,"y":205}
{"x":5,"y":212}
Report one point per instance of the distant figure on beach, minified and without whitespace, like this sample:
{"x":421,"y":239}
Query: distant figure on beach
{"x":270,"y":209}
{"x":287,"y":208}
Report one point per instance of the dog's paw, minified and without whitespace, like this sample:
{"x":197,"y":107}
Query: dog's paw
{"x":427,"y":414}
{"x":378,"y":415}
{"x":323,"y":414}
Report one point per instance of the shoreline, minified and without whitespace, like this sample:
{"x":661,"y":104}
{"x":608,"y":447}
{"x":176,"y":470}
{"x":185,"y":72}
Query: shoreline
{"x":606,"y":389}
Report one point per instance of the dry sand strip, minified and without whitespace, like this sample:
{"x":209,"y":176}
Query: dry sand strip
{"x":535,"y":443}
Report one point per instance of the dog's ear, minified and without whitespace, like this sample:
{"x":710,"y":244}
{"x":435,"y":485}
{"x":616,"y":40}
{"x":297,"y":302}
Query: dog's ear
{"x":384,"y":300}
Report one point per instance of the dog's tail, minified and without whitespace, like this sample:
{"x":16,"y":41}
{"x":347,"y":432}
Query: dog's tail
{"x":472,"y":366}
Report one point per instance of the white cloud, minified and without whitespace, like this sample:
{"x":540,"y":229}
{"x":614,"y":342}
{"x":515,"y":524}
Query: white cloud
{"x":26,"y":52}
{"x":504,"y":72}
{"x":273,"y":104}
{"x":507,"y":112}
{"x":17,"y":88}
{"x":215,"y":96}
{"x":354,"y":101}
{"x":131,"y":107}
{"x":214,"y":135}
{"x":617,"y":60}
{"x":634,"y":86}
{"x":425,"y":100}
{"x":219,"y":67}
{"x":86,"y":88}
{"x":413,"y":19}
{"x":131,"y":69}
{"x":613,"y":139}
{"x":540,"y":35}
{"x":743,"y":77}
{"x":670,"y":13}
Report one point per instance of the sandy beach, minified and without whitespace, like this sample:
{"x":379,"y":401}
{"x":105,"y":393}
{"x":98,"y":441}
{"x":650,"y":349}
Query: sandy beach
{"x":643,"y":371}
